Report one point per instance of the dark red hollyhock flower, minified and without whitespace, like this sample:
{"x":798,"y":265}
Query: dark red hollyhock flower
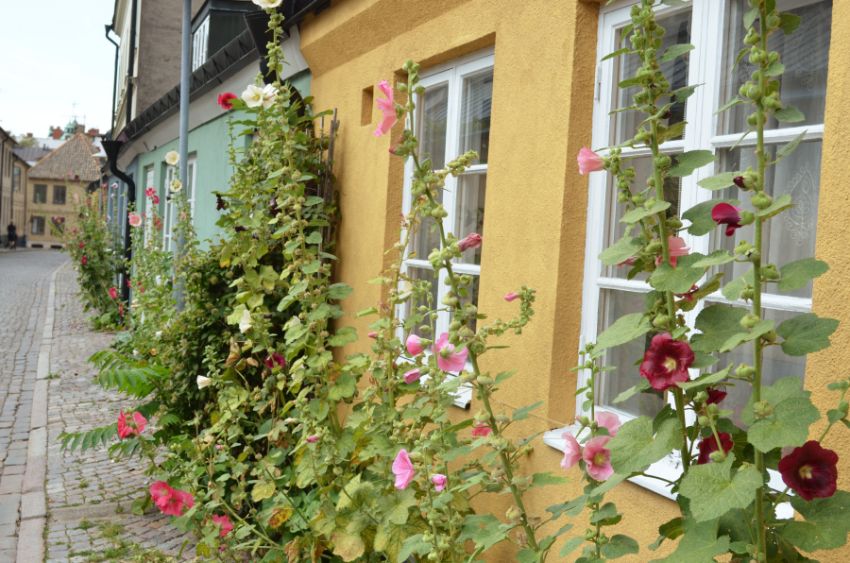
{"x":707,"y":446}
{"x":715,"y":396}
{"x":729,"y":215}
{"x":689,"y":295}
{"x":275,"y":359}
{"x":810,"y":470}
{"x":220,"y":203}
{"x":666,"y":362}
{"x":225,"y":100}
{"x":739,"y":181}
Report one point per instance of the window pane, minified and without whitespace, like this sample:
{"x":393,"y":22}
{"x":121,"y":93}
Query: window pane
{"x":616,"y":230}
{"x":427,"y":237}
{"x":472,"y":297}
{"x":475,"y":114}
{"x":421,"y":276}
{"x":469,"y":212}
{"x":433,"y":112}
{"x":677,"y":29}
{"x":615,"y":304}
{"x":791,"y":235}
{"x":804,"y":53}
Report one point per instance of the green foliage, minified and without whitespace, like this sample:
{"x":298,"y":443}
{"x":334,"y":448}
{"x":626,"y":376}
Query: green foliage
{"x":84,"y":440}
{"x":714,"y":489}
{"x":826,"y":522}
{"x":624,"y":330}
{"x":636,"y":445}
{"x":805,"y":334}
{"x":785,"y":414}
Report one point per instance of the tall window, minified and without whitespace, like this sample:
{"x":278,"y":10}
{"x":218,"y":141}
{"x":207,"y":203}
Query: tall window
{"x":16,"y":178}
{"x":715,"y":28}
{"x":39,"y":193}
{"x":453,"y":116}
{"x":58,"y":195}
{"x":37,"y":225}
{"x":170,"y":215}
{"x":149,"y":206}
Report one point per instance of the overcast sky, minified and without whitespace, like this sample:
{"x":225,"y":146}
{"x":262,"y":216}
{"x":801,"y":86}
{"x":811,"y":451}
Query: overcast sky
{"x":53,"y":54}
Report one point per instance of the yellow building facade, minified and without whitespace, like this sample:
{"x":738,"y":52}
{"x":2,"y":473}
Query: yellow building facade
{"x":544,"y":91}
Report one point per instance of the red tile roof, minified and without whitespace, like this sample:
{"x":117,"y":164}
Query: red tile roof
{"x":73,"y":160}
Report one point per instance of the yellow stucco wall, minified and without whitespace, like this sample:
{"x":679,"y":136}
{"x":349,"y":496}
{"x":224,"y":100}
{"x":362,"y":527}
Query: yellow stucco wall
{"x":535,"y":220}
{"x":75,"y":193}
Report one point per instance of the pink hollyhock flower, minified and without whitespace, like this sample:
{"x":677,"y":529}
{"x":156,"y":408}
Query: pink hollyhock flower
{"x":225,"y":100}
{"x":481,"y":430}
{"x":439,"y":480}
{"x":113,"y":293}
{"x":677,"y":247}
{"x":589,"y":161}
{"x":135,"y":220}
{"x":275,"y":359}
{"x":403,"y":470}
{"x":609,"y":421}
{"x":150,"y":192}
{"x":715,"y":396}
{"x":84,"y":260}
{"x":729,"y":215}
{"x":511,"y":296}
{"x":666,"y":362}
{"x":373,"y":335}
{"x":572,"y":451}
{"x":224,"y":523}
{"x":133,"y":429}
{"x":414,"y":345}
{"x":472,"y":240}
{"x":387,"y":108}
{"x":810,"y":470}
{"x":412,"y":375}
{"x":170,"y":501}
{"x":312,"y":438}
{"x":597,"y":458}
{"x":447,"y":358}
{"x":708,"y":446}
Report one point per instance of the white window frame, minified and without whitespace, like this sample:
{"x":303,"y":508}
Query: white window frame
{"x":170,"y":210}
{"x":706,"y":67}
{"x":150,"y":182}
{"x":452,"y":74}
{"x":200,"y":40}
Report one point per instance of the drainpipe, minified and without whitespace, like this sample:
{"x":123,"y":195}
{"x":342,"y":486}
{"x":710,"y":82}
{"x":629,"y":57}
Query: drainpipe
{"x":108,"y":28}
{"x":112,"y":148}
{"x":185,"y":85}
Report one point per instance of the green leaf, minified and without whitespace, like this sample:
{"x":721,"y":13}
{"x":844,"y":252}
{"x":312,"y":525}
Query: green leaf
{"x":788,"y":114}
{"x":733,"y":289}
{"x":679,"y":278}
{"x":339,"y":291}
{"x":689,"y":161}
{"x":635,"y":448}
{"x":798,"y":274}
{"x":716,"y":258}
{"x":262,"y":491}
{"x":700,"y":216}
{"x":788,"y":22}
{"x":805,"y":334}
{"x":543,"y":479}
{"x":414,"y":545}
{"x":713,"y":490}
{"x":314,"y":238}
{"x":571,"y":546}
{"x":779,"y":205}
{"x":707,"y":380}
{"x":699,"y":544}
{"x":484,"y":529}
{"x":523,"y":412}
{"x":788,"y":425}
{"x":734,"y":101}
{"x":718,"y":323}
{"x":342,"y":388}
{"x":625,"y":329}
{"x":636,"y":215}
{"x":620,"y":251}
{"x":775,"y":69}
{"x":402,"y":502}
{"x":790,"y":147}
{"x":343,"y":336}
{"x":669,"y":530}
{"x":826,"y":525}
{"x":675,"y":51}
{"x":642,"y":386}
{"x":616,"y":53}
{"x":607,"y":515}
{"x":618,"y":546}
{"x":685,"y":92}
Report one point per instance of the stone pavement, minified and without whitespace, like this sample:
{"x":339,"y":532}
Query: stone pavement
{"x":87,"y":496}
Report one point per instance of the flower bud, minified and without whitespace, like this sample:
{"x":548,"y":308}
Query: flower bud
{"x":661,"y":321}
{"x":769,"y":272}
{"x":701,"y":397}
{"x":749,"y":321}
{"x":717,"y":456}
{"x":704,"y":420}
{"x":762,"y":409}
{"x":747,"y":218}
{"x":761,"y":200}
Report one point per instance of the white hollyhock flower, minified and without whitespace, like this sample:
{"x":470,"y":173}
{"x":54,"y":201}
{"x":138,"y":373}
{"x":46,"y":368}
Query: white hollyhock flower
{"x":267,"y":4}
{"x":245,"y":321}
{"x":172,"y":158}
{"x":269,"y":95}
{"x":158,"y":334}
{"x":176,"y":185}
{"x":253,"y":96}
{"x":203,"y":381}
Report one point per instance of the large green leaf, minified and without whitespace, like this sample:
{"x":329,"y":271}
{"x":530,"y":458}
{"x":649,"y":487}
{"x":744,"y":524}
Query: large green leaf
{"x":805,"y":334}
{"x":707,"y":380}
{"x":798,"y":274}
{"x":639,"y":213}
{"x":714,"y":490}
{"x":718,"y":324}
{"x":485,"y":530}
{"x":618,"y":546}
{"x":679,"y":278}
{"x":636,"y":447}
{"x":675,"y":51}
{"x":620,"y":251}
{"x":788,"y":425}
{"x":733,"y":289}
{"x":719,"y":182}
{"x":699,"y":544}
{"x":689,"y":161}
{"x":625,"y":329}
{"x":826,"y":525}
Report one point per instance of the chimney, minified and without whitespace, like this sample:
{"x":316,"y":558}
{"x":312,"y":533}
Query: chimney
{"x":29,"y":135}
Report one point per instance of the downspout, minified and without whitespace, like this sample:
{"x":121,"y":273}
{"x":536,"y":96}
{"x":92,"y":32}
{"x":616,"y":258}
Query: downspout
{"x":112,"y":148}
{"x":114,"y":78}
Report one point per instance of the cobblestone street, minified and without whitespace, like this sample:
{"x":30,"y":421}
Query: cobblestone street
{"x":55,"y":505}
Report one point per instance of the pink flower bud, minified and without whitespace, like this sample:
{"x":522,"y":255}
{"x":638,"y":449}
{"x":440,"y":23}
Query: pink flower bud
{"x":472,"y":240}
{"x":412,"y":375}
{"x":439,"y":480}
{"x":414,"y":345}
{"x":511,"y":296}
{"x":589,"y":161}
{"x":312,"y":439}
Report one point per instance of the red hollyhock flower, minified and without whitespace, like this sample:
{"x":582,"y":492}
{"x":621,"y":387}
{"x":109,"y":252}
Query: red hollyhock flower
{"x":225,"y":100}
{"x":709,"y":445}
{"x":729,"y":215}
{"x":715,"y":396}
{"x":170,"y":501}
{"x":84,"y":260}
{"x":810,"y":470}
{"x":275,"y":359}
{"x":666,"y":362}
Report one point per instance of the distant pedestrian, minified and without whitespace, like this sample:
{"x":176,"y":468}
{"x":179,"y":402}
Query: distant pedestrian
{"x":11,"y":235}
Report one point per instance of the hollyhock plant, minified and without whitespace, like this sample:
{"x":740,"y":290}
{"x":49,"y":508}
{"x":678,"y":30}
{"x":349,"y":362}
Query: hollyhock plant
{"x":253,"y":96}
{"x":676,"y":247}
{"x":414,"y":345}
{"x":511,"y":296}
{"x":609,"y":421}
{"x":597,"y":458}
{"x":589,"y":161}
{"x":134,"y":219}
{"x":572,"y":450}
{"x":269,"y":95}
{"x":412,"y":376}
{"x":472,"y":240}
{"x":387,"y":107}
{"x":267,"y":4}
{"x":715,"y":396}
{"x":810,"y":470}
{"x":136,"y":427}
{"x":439,"y":480}
{"x":203,"y":381}
{"x":708,"y":445}
{"x":312,"y":438}
{"x":172,"y":158}
{"x":666,"y":362}
{"x":275,"y":359}
{"x":727,"y":214}
{"x":113,"y":293}
{"x":170,"y":501}
{"x":448,"y":359}
{"x":176,"y":185}
{"x":224,"y":523}
{"x":225,"y":100}
{"x":403,"y":470}
{"x":481,"y":430}
{"x":150,"y":192}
